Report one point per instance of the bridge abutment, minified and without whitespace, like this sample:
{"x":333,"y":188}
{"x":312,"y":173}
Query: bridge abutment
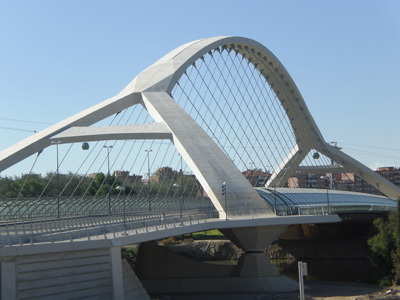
{"x":67,"y":271}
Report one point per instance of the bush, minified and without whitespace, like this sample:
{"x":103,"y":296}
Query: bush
{"x":130,"y":254}
{"x":385,"y":281}
{"x":167,"y":242}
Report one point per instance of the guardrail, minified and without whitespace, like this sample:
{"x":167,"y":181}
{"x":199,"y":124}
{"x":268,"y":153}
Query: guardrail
{"x":50,"y":229}
{"x":33,"y":208}
{"x":109,"y":225}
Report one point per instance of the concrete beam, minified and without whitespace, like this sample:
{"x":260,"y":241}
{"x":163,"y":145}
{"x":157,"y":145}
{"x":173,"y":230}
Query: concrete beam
{"x":37,"y":142}
{"x":157,"y":131}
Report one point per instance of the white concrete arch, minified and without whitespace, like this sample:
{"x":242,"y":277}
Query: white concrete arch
{"x":165,"y":73}
{"x":152,"y":89}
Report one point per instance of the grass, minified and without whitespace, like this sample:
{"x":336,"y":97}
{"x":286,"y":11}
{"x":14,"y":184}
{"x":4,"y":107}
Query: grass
{"x":203,"y":235}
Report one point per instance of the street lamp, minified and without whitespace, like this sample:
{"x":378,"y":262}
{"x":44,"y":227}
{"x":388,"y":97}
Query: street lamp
{"x":177,"y":186}
{"x":108,"y":177}
{"x":326,"y":183}
{"x":120,"y":188}
{"x":333,"y":182}
{"x":275,"y":197}
{"x":148,"y":168}
{"x":58,"y":181}
{"x":181,"y":185}
{"x":253,"y":174}
{"x":226,"y":205}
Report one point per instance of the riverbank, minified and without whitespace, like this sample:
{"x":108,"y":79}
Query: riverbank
{"x":318,"y":290}
{"x":216,"y":250}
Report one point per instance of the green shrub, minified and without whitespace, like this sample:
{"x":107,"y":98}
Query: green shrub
{"x":385,"y":281}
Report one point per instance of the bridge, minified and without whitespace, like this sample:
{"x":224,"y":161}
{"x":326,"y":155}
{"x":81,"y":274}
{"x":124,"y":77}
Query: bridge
{"x":202,"y":113}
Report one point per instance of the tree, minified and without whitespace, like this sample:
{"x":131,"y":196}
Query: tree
{"x":385,"y":245}
{"x":396,"y":251}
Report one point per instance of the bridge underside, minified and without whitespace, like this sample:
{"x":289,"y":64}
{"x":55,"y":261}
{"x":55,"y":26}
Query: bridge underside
{"x":31,"y":266}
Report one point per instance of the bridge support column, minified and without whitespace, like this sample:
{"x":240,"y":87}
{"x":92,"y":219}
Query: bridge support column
{"x":254,"y":266}
{"x":116,"y":273}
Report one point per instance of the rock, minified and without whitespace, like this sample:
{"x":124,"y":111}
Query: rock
{"x":208,"y":250}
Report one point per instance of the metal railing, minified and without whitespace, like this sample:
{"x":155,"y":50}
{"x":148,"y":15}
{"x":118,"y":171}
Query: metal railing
{"x":105,"y":225}
{"x":75,"y":228}
{"x":46,"y":227}
{"x":33,"y":208}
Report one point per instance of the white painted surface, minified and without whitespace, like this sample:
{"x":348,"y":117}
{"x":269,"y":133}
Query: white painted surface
{"x":117,"y":280}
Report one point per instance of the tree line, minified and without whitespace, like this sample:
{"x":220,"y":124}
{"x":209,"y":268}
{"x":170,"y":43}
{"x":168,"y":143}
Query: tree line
{"x":35,"y":185}
{"x":67,"y":185}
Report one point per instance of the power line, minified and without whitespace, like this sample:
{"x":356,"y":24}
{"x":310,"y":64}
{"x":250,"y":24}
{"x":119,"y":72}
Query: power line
{"x":369,"y":146}
{"x":9,"y":128}
{"x":372,"y":154}
{"x":25,"y":121}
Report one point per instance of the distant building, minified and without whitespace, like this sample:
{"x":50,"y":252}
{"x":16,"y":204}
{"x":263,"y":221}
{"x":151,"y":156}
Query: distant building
{"x":126,"y":178}
{"x":345,"y":181}
{"x":165,"y":173}
{"x":311,"y":181}
{"x":257,"y":177}
{"x":342,"y":181}
{"x":391,"y":174}
{"x":93,"y":175}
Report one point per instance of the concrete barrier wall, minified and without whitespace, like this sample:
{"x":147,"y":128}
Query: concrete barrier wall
{"x":66,"y":275}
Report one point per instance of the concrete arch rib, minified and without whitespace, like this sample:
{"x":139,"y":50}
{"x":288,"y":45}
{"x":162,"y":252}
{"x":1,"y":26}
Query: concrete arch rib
{"x":152,"y":89}
{"x":41,"y":140}
{"x":352,"y":165}
{"x":165,"y":73}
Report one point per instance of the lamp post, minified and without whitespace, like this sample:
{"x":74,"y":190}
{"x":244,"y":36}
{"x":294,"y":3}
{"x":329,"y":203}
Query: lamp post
{"x":226,"y":205}
{"x":333,"y":181}
{"x":58,"y":181}
{"x":181,"y":185}
{"x":326,"y":183}
{"x":120,"y":188}
{"x":177,"y":186}
{"x":252,"y":172}
{"x":148,"y":168}
{"x":275,"y":198}
{"x":108,"y":177}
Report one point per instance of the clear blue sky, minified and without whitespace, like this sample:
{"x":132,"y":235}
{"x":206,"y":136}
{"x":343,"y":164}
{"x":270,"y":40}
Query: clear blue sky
{"x":58,"y":58}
